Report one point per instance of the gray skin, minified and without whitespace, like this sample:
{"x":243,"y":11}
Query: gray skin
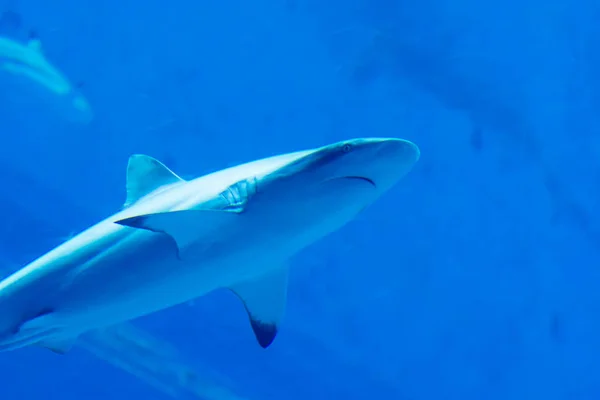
{"x":179,"y":240}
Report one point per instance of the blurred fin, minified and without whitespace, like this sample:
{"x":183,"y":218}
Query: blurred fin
{"x":34,"y":41}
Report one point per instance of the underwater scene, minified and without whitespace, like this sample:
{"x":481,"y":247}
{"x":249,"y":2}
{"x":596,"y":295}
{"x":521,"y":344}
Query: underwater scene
{"x":288,"y":199}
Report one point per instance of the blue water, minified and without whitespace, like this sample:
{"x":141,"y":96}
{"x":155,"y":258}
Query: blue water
{"x":476,"y":277}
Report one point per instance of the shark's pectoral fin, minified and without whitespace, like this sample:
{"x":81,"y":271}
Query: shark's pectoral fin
{"x":144,"y":175}
{"x":59,"y":345}
{"x":264,"y":299}
{"x":185,"y":227}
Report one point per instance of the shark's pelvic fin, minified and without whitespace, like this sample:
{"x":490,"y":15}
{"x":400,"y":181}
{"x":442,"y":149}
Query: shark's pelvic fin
{"x":59,"y":346}
{"x":146,"y":174}
{"x":264,"y":299}
{"x":184,"y":227}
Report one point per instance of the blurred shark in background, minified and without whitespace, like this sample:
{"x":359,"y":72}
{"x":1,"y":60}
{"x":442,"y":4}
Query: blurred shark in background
{"x":25,"y":66}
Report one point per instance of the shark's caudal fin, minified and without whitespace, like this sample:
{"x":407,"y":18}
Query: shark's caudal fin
{"x":264,"y":299}
{"x":144,"y":175}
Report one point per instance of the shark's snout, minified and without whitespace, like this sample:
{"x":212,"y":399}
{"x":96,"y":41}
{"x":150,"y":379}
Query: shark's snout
{"x":400,"y":151}
{"x":383,"y":161}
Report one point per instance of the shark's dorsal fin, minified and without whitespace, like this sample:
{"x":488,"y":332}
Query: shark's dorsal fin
{"x":146,"y":174}
{"x":264,"y":299}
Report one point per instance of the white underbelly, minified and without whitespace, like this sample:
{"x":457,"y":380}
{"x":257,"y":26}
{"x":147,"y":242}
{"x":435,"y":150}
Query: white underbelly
{"x":158,"y":285}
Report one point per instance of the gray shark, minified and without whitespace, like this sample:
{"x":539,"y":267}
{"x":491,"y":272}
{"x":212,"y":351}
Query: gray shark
{"x":177,"y":240}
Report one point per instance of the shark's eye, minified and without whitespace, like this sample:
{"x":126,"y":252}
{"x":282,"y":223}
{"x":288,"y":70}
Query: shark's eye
{"x":347,"y":148}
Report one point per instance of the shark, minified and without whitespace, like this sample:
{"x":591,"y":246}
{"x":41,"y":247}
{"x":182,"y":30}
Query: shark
{"x":27,"y":63}
{"x":175,"y":240}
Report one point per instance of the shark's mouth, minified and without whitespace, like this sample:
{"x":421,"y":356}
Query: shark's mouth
{"x":361,"y":178}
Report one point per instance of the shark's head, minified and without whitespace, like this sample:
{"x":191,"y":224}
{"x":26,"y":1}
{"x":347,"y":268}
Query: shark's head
{"x":374,"y":164}
{"x":325,"y":188}
{"x":380,"y":162}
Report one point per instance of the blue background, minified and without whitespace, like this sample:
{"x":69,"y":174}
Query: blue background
{"x":475,"y":278}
